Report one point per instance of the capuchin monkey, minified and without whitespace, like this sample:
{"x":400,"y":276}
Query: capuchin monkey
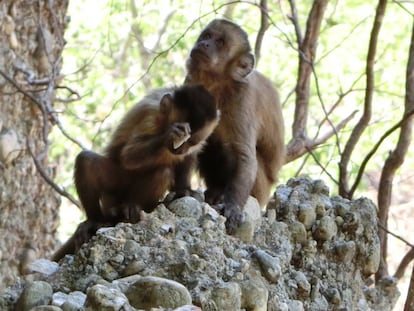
{"x":246,"y":150}
{"x":139,"y":164}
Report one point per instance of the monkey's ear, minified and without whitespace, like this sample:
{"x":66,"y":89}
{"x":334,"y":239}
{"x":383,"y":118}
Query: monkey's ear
{"x":166,"y":103}
{"x":243,"y":67}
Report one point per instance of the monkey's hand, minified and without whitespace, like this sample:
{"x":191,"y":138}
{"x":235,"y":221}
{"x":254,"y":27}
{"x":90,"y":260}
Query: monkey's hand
{"x":179,"y":133}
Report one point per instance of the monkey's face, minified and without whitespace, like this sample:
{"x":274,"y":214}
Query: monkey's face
{"x":222,"y":49}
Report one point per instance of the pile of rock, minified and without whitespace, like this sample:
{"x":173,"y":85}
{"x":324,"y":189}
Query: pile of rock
{"x":308,"y":252}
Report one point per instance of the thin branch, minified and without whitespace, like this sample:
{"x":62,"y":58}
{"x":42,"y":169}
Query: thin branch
{"x":295,"y":21}
{"x":407,"y":258}
{"x":396,"y":157}
{"x":297,"y":148}
{"x":318,"y":90}
{"x":409,"y":303}
{"x":46,"y":111}
{"x":366,"y":116}
{"x":46,"y":177}
{"x":374,"y":150}
{"x":404,"y":263}
{"x":322,"y":166}
{"x":264,"y":25}
{"x":307,"y":53}
{"x":34,"y":100}
{"x":398,"y":237}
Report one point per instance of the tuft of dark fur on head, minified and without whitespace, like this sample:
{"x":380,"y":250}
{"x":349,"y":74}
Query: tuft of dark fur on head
{"x":198,"y":103}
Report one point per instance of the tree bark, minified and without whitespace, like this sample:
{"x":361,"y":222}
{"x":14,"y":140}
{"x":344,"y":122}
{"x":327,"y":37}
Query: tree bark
{"x":31,"y":43}
{"x":395,"y":160}
{"x":409,"y":302}
{"x":363,"y":122}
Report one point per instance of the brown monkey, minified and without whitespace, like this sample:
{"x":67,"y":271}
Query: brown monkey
{"x":139,"y":163}
{"x":246,"y":150}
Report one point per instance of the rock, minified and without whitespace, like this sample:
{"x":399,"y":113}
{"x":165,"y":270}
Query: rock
{"x":298,"y":232}
{"x":35,"y":294}
{"x":269,"y":265}
{"x":254,"y":294}
{"x":325,"y":229}
{"x":73,"y":301}
{"x":252,"y":219}
{"x":46,"y":308}
{"x":283,"y":267}
{"x":186,"y":207}
{"x":42,"y":266}
{"x":303,"y":287}
{"x":100,"y":297}
{"x":227,"y":296}
{"x":188,"y":308}
{"x":345,"y":250}
{"x":59,"y":298}
{"x":307,"y":215}
{"x":153,"y":292}
{"x":296,"y":305}
{"x":134,"y":267}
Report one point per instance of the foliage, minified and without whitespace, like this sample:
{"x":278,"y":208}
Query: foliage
{"x":104,"y":62}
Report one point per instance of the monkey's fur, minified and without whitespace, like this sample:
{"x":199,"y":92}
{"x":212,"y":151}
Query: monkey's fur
{"x":246,"y":150}
{"x":154,"y":138}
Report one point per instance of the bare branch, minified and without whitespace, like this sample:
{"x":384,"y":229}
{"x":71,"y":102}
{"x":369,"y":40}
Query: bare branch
{"x":294,"y":19}
{"x":322,"y":167}
{"x":298,"y":147}
{"x":374,"y":149}
{"x":46,"y":177}
{"x":396,"y":157}
{"x":404,"y":263}
{"x":264,"y":25}
{"x":366,"y":116}
{"x":409,"y":303}
{"x":307,"y":53}
{"x":407,"y":258}
{"x":34,"y":100}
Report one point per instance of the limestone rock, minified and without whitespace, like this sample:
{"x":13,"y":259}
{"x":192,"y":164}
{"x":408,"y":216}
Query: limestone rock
{"x":35,"y":294}
{"x":310,"y":253}
{"x":153,"y":292}
{"x":100,"y":297}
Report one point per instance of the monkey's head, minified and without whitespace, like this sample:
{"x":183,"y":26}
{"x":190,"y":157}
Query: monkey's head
{"x":221,"y":51}
{"x":193,"y":105}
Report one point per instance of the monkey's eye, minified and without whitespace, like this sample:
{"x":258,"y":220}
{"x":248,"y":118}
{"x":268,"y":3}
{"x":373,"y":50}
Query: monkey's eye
{"x":220,"y":42}
{"x":207,"y":36}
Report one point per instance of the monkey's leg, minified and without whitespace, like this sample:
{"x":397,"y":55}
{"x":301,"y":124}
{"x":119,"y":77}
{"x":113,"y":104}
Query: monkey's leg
{"x":147,"y":189}
{"x":263,"y":184}
{"x":83,"y":233}
{"x":182,"y":176}
{"x":94,"y":175}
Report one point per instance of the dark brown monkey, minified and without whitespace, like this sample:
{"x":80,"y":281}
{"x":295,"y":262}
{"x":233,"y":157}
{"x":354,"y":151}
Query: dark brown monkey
{"x":138,"y":167}
{"x":246,"y":150}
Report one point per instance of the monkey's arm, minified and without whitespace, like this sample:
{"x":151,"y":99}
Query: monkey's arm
{"x":239,"y":187}
{"x":147,"y":151}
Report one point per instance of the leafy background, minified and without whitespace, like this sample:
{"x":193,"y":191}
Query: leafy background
{"x":117,"y":50}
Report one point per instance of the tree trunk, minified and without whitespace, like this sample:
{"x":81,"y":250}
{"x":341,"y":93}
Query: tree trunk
{"x":31,"y":43}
